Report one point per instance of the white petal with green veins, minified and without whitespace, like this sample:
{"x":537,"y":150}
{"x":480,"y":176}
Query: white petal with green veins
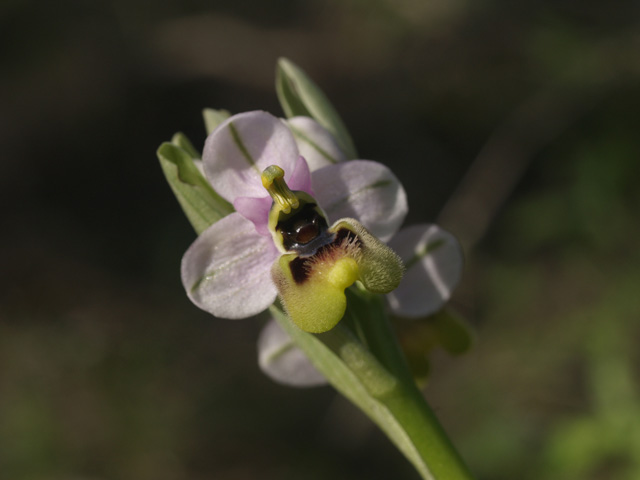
{"x":226,"y":271}
{"x":365,"y":190}
{"x":318,"y":147}
{"x":237,"y":152}
{"x":434,"y":262}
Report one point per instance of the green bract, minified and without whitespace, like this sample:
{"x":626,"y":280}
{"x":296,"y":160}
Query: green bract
{"x":300,"y":96}
{"x":201,"y":204}
{"x":213,"y":118}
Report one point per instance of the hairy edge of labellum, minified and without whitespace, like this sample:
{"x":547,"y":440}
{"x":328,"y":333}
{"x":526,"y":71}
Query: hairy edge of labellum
{"x":346,"y":244}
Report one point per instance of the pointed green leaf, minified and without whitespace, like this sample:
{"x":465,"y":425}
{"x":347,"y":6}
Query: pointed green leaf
{"x":181,"y":140}
{"x":202,"y":205}
{"x":299,"y":95}
{"x":213,"y":118}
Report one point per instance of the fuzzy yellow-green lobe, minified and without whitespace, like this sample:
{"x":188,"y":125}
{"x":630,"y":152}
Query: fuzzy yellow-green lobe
{"x":312,"y":287}
{"x":317,"y":303}
{"x":380,"y":268}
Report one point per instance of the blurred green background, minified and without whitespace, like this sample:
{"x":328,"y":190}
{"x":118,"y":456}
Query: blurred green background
{"x":513,"y":124}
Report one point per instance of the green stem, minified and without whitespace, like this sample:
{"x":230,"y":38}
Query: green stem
{"x":432,"y":454}
{"x":407,"y":404}
{"x":372,"y":373}
{"x":411,"y":411}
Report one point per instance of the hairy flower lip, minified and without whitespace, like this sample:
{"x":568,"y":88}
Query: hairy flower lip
{"x":428,"y":251}
{"x":335,"y":246}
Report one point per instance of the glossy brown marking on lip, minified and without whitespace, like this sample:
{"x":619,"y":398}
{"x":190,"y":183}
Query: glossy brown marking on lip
{"x":302,"y":228}
{"x":306,"y":233}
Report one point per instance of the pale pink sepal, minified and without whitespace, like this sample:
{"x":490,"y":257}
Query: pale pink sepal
{"x":226,"y":271}
{"x":434,"y":263}
{"x":281,"y":360}
{"x":365,"y":190}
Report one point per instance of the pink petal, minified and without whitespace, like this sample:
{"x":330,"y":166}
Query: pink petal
{"x":281,"y":360}
{"x":434,"y":262}
{"x":237,"y":152}
{"x":365,"y":190}
{"x":301,"y":177}
{"x":255,"y":210}
{"x":226,"y":271}
{"x":315,"y":143}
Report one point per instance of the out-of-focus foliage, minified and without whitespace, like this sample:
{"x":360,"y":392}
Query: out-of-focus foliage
{"x":562,"y":321}
{"x":106,"y":369}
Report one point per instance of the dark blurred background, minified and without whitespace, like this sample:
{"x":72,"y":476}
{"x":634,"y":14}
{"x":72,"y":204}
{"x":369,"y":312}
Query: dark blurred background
{"x":513,"y":124}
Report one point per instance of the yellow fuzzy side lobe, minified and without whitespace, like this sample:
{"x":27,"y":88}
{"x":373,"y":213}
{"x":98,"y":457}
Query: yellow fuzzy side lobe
{"x":380,"y":268}
{"x":343,"y":273}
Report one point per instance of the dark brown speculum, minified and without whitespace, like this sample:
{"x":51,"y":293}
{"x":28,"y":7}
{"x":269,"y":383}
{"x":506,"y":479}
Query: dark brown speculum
{"x":304,"y":231}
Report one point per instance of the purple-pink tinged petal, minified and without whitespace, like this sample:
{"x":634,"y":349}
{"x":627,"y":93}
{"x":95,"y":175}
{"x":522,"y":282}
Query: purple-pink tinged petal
{"x":255,"y":210}
{"x":301,"y":177}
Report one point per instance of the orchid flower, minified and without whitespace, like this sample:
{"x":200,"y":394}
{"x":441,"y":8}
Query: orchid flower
{"x":279,"y":239}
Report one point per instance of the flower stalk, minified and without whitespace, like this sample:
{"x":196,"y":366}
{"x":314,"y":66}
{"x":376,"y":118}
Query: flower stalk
{"x":373,"y":374}
{"x":284,"y":216}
